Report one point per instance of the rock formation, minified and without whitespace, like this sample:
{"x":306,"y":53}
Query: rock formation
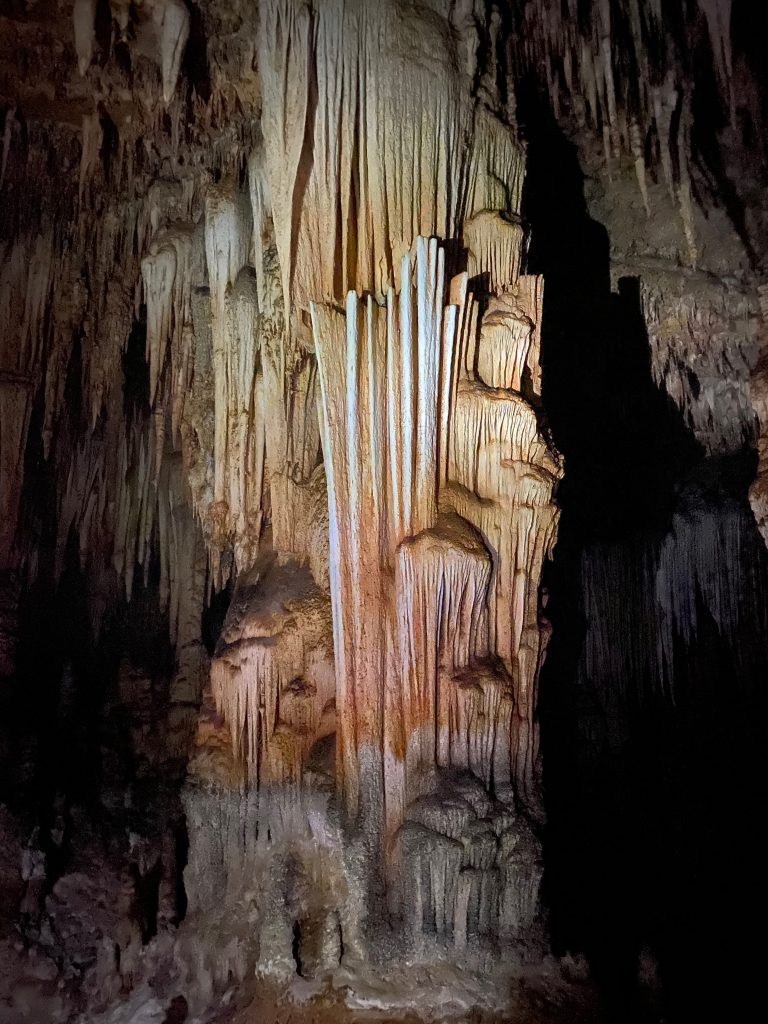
{"x":393,"y":609}
{"x":279,"y":431}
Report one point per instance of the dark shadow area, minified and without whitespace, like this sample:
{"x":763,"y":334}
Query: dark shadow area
{"x":146,"y":898}
{"x":624,"y":440}
{"x":728,"y":185}
{"x":194,"y":66}
{"x":87,"y":765}
{"x":296,"y":948}
{"x":651,"y":840}
{"x":178,"y":1011}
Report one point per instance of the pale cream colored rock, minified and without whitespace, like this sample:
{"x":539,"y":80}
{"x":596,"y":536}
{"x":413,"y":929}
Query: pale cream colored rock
{"x":333,"y":424}
{"x":84,"y":24}
{"x":272,"y":675}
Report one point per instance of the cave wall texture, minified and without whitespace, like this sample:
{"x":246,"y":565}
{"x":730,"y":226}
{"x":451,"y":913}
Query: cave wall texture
{"x":383,"y":460}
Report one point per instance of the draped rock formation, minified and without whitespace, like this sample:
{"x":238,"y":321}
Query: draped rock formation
{"x":276,"y":467}
{"x":393,"y":607}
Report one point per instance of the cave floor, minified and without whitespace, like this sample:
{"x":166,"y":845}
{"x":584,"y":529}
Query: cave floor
{"x":555,"y":992}
{"x":530,"y":1000}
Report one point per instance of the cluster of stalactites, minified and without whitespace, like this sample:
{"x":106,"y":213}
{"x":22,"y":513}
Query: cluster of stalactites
{"x":26,"y":272}
{"x":123,"y":511}
{"x":704,"y":336}
{"x":76,"y":286}
{"x":394,"y":372}
{"x":407,"y":427}
{"x":465,"y":865}
{"x":45,"y":310}
{"x":161,"y":25}
{"x":446,"y":454}
{"x":702,"y":575}
{"x":348,"y":219}
{"x":72,"y":287}
{"x":235,"y":389}
{"x":386,"y":375}
{"x":624,"y":76}
{"x":201,"y":263}
{"x":274,"y":684}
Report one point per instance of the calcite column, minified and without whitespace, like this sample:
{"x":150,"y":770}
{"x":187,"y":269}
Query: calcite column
{"x":417,"y":598}
{"x":436,"y":481}
{"x":383,"y":373}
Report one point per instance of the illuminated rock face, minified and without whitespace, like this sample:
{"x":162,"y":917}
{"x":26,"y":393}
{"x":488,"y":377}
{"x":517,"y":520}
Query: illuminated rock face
{"x":341,"y":421}
{"x":393,"y":609}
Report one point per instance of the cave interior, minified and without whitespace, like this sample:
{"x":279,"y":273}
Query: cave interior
{"x":383,"y":510}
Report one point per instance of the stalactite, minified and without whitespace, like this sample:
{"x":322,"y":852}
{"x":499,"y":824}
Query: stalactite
{"x":284,"y":64}
{"x":664,"y":104}
{"x":10,"y":117}
{"x":718,"y":15}
{"x":159,"y":273}
{"x":704,"y":341}
{"x":636,"y":144}
{"x":227,"y":245}
{"x":272,"y":677}
{"x":495,"y":249}
{"x":589,"y":59}
{"x":15,"y":409}
{"x":84,"y":22}
{"x":121,"y":12}
{"x":27,"y":273}
{"x":699,"y":573}
{"x":759,"y":399}
{"x":172,"y":18}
